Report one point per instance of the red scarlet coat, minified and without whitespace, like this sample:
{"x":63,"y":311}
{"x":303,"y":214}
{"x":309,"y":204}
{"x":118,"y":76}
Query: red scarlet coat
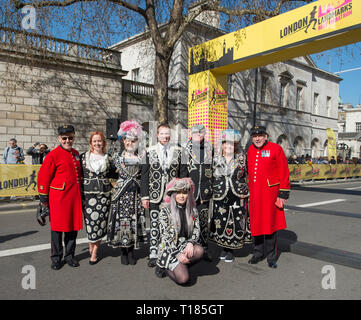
{"x":268,"y":174}
{"x":60,"y":178}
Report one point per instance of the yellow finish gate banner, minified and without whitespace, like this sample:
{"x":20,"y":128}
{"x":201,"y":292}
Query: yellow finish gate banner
{"x":315,"y":27}
{"x":18,"y":180}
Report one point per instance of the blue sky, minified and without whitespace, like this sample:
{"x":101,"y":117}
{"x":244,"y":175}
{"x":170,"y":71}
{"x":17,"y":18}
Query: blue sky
{"x":344,"y":58}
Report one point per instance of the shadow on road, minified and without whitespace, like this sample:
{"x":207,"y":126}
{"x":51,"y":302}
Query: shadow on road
{"x":288,"y":243}
{"x":285,"y":239}
{"x":325,"y":211}
{"x":16,"y":235}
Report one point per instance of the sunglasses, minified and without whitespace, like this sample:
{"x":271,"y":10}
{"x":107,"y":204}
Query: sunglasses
{"x":67,"y":138}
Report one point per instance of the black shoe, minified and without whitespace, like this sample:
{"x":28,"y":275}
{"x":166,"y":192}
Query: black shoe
{"x":56,"y":265}
{"x":72,"y":263}
{"x":131,"y":257}
{"x":124,"y":257}
{"x":229,"y":257}
{"x":207,"y":256}
{"x":152,"y":262}
{"x":255,"y":260}
{"x":94,"y":262}
{"x":160,"y":272}
{"x":272,"y":264}
{"x":223,"y":254}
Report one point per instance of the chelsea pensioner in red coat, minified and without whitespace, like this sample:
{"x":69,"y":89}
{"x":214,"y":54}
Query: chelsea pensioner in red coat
{"x":59,"y":186}
{"x":269,"y":184}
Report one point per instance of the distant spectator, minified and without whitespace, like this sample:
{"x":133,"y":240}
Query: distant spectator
{"x":332,"y":161}
{"x":13,"y":154}
{"x":301,"y":159}
{"x":38,"y":154}
{"x":359,"y":161}
{"x":321,"y":160}
{"x":293,"y":159}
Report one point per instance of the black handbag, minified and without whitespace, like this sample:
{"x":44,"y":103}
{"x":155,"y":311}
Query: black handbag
{"x":41,"y":213}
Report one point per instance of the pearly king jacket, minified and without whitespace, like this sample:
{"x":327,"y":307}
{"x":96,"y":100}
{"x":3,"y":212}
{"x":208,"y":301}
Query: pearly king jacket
{"x":268,"y":175}
{"x":59,"y":179}
{"x":198,"y":167}
{"x":154,"y":176}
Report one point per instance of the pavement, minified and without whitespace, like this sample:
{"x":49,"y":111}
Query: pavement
{"x":320,"y":258}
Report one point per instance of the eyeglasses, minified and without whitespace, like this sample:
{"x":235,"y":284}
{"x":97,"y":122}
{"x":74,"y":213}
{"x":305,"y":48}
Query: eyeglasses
{"x":67,"y":138}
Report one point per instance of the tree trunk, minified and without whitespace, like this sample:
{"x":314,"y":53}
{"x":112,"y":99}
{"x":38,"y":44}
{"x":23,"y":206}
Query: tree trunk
{"x":160,"y":98}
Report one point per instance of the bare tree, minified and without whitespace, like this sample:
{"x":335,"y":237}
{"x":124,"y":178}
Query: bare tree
{"x":166,"y":21}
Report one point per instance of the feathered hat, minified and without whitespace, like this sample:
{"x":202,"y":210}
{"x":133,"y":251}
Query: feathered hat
{"x":130,"y":129}
{"x":231,"y":135}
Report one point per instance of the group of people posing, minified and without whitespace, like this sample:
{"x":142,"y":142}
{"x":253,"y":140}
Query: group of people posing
{"x":194,"y":195}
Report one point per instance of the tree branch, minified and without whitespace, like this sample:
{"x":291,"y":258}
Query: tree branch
{"x":19,"y":4}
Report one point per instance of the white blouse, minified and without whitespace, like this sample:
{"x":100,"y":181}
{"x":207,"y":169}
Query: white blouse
{"x":97,"y":162}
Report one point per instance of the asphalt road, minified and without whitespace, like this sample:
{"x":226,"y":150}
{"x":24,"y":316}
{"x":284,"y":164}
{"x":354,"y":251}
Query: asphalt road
{"x":320,"y":258}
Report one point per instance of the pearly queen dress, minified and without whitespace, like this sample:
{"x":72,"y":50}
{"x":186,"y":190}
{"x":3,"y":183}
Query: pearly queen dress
{"x":96,"y":193}
{"x":126,"y":223}
{"x":230,"y":222}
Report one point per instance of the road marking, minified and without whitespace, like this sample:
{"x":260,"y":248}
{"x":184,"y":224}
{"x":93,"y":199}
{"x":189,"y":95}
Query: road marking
{"x":40,"y":247}
{"x":352,"y":188}
{"x":320,"y":203}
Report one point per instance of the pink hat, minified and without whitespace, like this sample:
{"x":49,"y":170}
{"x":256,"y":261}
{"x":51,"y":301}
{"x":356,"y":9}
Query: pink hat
{"x":130,"y":129}
{"x":178,"y":184}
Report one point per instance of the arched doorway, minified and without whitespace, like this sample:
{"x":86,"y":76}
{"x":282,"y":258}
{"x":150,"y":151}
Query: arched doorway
{"x":315,"y":148}
{"x":299,"y":146}
{"x":282,"y":140}
{"x":325,"y":148}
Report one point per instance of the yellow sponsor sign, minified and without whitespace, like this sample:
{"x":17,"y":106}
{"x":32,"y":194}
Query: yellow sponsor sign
{"x":331,"y":144}
{"x":312,"y":28}
{"x":18,"y":180}
{"x":208,"y":103}
{"x":323,"y":171}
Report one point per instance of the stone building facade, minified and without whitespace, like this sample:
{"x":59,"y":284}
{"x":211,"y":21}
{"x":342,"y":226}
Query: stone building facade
{"x":349,"y":137}
{"x":47,"y":82}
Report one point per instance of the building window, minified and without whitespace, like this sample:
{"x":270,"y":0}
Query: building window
{"x":328,"y":106}
{"x":358,"y":126}
{"x":283,"y":93}
{"x":135,"y":74}
{"x":315,"y":103}
{"x":298,"y":98}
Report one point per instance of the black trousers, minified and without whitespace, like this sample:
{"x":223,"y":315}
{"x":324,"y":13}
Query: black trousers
{"x":57,"y":245}
{"x":154,"y":230}
{"x":203,"y":213}
{"x":265,"y":246}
